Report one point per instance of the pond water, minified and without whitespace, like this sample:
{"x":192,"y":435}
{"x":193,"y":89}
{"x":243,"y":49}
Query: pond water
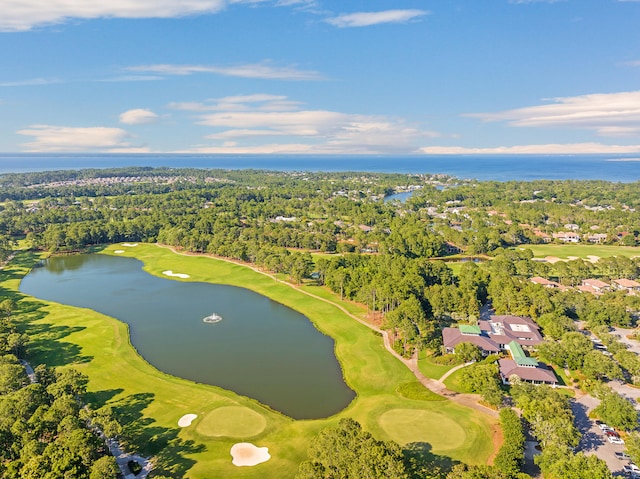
{"x":401,"y":196}
{"x":259,"y":349}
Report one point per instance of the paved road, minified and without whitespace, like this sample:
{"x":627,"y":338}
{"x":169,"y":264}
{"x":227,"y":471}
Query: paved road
{"x":593,"y":439}
{"x":632,"y":344}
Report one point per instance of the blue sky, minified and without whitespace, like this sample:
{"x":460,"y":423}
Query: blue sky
{"x":320,"y":77}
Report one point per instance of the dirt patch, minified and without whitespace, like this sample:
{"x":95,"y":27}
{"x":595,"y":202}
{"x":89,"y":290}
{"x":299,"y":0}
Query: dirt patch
{"x":497,"y":438}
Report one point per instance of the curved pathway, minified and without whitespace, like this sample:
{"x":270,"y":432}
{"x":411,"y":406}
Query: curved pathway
{"x":122,"y":458}
{"x":436,"y":386}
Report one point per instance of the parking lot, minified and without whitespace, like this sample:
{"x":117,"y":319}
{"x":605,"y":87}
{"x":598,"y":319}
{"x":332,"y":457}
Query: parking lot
{"x":593,"y":439}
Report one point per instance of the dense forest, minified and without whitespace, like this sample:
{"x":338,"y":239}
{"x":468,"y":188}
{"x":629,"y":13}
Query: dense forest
{"x":391,"y":256}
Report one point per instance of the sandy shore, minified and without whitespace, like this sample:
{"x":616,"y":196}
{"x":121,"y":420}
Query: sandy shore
{"x":246,"y":454}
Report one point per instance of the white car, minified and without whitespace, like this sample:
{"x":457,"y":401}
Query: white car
{"x":615,"y":440}
{"x":604,"y":427}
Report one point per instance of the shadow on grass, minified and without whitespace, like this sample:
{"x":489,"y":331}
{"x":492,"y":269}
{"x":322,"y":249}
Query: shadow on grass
{"x":162,"y":443}
{"x":45,"y":340}
{"x":421,"y":458}
{"x":46,"y":345}
{"x":97,"y":399}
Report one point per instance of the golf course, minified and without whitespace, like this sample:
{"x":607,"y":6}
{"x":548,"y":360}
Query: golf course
{"x":150,"y":403}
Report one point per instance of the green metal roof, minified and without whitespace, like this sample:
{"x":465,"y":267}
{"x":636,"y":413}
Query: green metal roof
{"x":468,"y":329}
{"x":519,"y":356}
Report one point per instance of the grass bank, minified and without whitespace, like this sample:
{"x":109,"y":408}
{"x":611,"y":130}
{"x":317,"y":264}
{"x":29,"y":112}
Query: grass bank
{"x":151,"y":402}
{"x":564,"y":251}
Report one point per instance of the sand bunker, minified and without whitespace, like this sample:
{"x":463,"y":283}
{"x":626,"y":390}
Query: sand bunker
{"x":186,"y":420}
{"x":119,"y":251}
{"x":175,"y":275}
{"x":552,"y":259}
{"x":246,"y":454}
{"x":130,"y":245}
{"x":593,"y":258}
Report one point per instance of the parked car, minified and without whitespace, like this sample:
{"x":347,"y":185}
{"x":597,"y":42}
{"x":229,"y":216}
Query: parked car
{"x":615,"y":440}
{"x":623,"y":456}
{"x":611,"y":433}
{"x":603,"y":426}
{"x":632,"y":468}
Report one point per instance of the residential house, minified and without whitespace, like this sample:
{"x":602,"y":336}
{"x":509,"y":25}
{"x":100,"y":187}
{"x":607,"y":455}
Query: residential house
{"x":547,"y":283}
{"x":594,"y":286}
{"x":597,"y":238}
{"x":451,"y":248}
{"x":631,"y":286}
{"x":567,"y":237}
{"x":541,"y":234}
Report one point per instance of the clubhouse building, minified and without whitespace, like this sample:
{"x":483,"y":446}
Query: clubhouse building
{"x":514,"y":334}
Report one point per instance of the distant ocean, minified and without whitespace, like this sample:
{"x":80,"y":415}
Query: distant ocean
{"x":618,"y":168}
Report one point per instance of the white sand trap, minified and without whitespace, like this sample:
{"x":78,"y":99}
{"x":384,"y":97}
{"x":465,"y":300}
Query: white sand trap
{"x":593,"y":258}
{"x":130,"y":245}
{"x":119,"y":251}
{"x":552,"y":259}
{"x":186,"y":420}
{"x":176,"y":275}
{"x":571,"y":258}
{"x":246,"y":454}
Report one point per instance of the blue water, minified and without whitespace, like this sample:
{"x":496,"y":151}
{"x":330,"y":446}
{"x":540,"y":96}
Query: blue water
{"x":619,"y":168}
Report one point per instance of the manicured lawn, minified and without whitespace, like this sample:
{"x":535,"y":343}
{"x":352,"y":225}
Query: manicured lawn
{"x":431,"y":369}
{"x":453,"y":382}
{"x":416,"y":390}
{"x":582,"y":250}
{"x":150,"y":402}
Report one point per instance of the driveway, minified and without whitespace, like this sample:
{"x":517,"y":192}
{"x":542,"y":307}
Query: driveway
{"x":631,"y":343}
{"x":593,"y":440}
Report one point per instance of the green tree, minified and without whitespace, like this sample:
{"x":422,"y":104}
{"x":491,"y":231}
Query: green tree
{"x":348,"y":452}
{"x":468,"y":351}
{"x":617,"y":411}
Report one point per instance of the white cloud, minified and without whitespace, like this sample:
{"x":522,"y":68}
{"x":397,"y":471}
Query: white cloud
{"x":600,"y":112}
{"x":550,"y":149}
{"x":138,"y":116}
{"x":253,"y":118}
{"x":366,"y":19}
{"x":633,"y":63}
{"x":31,"y":82}
{"x":70,"y":139}
{"x":263,"y":70}
{"x":260,"y":102}
{"x":130,"y":78}
{"x":22,"y":15}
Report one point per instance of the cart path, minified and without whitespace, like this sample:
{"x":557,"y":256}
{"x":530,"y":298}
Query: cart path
{"x":122,"y":458}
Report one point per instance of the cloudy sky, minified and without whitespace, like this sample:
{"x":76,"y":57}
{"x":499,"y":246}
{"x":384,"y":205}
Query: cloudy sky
{"x":320,"y":76}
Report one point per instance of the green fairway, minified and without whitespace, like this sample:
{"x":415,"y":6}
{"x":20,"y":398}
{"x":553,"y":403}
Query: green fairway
{"x":564,"y":251}
{"x":407,"y":425}
{"x":150,"y":402}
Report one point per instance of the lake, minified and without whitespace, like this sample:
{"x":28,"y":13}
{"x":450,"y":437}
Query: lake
{"x":260,"y":349}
